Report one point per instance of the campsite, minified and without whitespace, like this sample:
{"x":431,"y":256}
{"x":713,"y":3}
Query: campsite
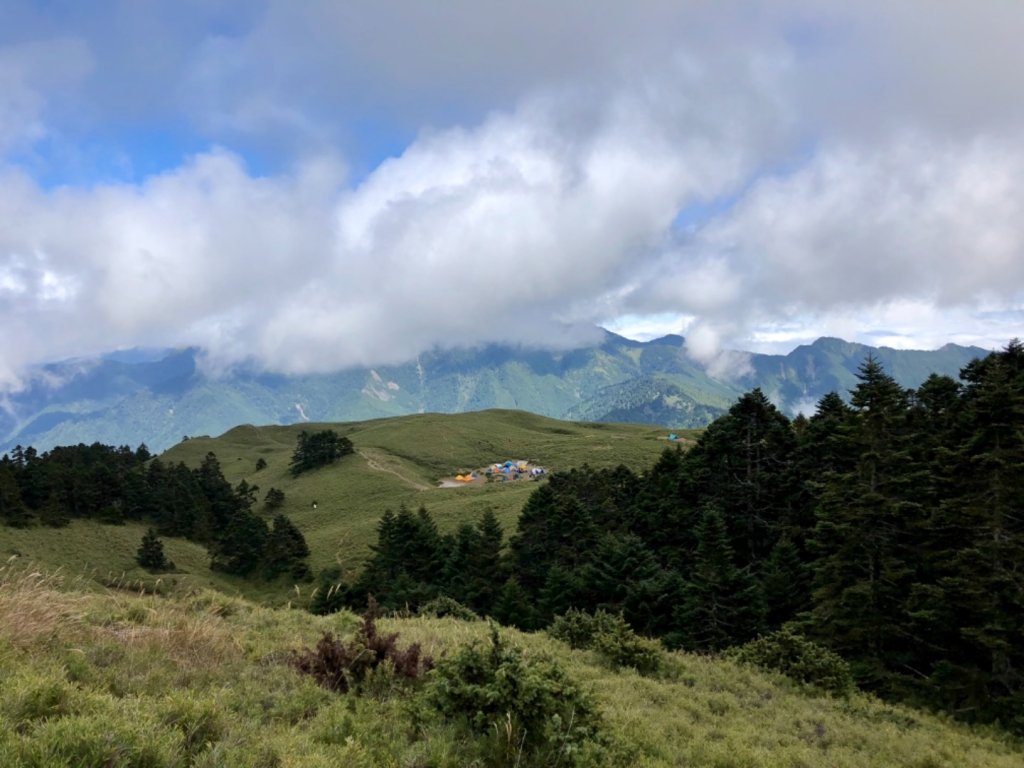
{"x":501,"y":471}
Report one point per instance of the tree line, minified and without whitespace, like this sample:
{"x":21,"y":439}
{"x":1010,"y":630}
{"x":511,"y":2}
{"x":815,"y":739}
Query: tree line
{"x":115,"y":485}
{"x":889,"y":529}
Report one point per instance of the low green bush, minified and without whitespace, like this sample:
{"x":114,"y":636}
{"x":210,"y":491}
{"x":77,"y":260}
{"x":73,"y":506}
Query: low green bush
{"x":443,"y":606}
{"x":798,"y":658}
{"x":197,"y":720}
{"x":622,"y":647}
{"x":524,"y":711}
{"x":611,"y":637}
{"x":100,"y":739}
{"x":578,"y":628}
{"x":29,"y":698}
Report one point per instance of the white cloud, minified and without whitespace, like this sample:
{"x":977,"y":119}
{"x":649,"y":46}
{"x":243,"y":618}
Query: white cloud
{"x":859,"y":169}
{"x":914,"y":222}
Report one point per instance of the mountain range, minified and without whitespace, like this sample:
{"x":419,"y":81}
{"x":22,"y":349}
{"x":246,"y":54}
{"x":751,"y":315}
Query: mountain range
{"x":157,"y":398}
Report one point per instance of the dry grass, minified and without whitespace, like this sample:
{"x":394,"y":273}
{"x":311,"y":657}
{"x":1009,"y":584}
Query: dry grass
{"x":33,"y":607}
{"x":87,"y":669}
{"x":45,"y":609}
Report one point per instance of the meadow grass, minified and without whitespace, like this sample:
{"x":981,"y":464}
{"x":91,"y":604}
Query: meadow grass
{"x":400,"y":461}
{"x":113,"y":678}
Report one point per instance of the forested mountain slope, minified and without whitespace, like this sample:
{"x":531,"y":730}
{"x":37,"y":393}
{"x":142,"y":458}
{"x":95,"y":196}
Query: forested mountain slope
{"x":159,"y":398}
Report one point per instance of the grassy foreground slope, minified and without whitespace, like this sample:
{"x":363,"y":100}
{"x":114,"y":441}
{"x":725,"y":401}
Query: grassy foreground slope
{"x":398,"y":461}
{"x":112,"y":678}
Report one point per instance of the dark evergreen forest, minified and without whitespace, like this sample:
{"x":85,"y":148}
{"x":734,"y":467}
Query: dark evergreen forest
{"x":889,"y":529}
{"x":114,"y":485}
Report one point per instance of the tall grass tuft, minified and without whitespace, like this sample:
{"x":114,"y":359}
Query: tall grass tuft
{"x":32,"y":605}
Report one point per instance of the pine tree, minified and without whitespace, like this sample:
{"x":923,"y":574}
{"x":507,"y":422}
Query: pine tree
{"x":975,"y":613}
{"x":285,"y":549}
{"x":221,"y":499}
{"x":408,"y":565}
{"x":459,"y":567}
{"x":661,"y":513}
{"x":246,"y":495}
{"x":532,"y":549}
{"x":785,"y":583}
{"x":867,"y":532}
{"x":150,"y":554}
{"x":274,"y":499}
{"x":514,"y":608}
{"x":12,"y":510}
{"x":474,"y":571}
{"x":743,"y":465}
{"x":721,"y":603}
{"x":318,"y":450}
{"x":240,"y":547}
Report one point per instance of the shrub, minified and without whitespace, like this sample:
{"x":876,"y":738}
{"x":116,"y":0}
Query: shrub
{"x":101,"y":739}
{"x":532,"y":712}
{"x":29,"y":699}
{"x":611,"y":637}
{"x":197,"y":720}
{"x":342,"y":667}
{"x":578,"y":628}
{"x":622,"y":647}
{"x":443,"y":606}
{"x":798,"y":658}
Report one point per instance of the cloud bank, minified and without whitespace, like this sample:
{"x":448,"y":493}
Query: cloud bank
{"x":373,"y":183}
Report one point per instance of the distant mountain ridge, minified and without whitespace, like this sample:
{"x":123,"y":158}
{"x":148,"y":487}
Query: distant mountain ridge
{"x":129,"y":398}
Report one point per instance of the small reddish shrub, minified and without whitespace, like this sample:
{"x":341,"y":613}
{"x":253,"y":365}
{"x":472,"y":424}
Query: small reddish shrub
{"x":342,"y":667}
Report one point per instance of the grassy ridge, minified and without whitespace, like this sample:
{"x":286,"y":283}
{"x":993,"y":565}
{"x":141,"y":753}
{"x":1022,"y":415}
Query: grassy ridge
{"x":398,"y":461}
{"x":113,"y":678}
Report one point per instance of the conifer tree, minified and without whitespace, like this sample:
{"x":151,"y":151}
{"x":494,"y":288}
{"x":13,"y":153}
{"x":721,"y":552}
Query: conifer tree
{"x":661,"y":512}
{"x":286,"y":549}
{"x":514,"y":607}
{"x":742,"y":464}
{"x":221,"y":500}
{"x":150,"y":554}
{"x":318,"y":450}
{"x":12,"y":510}
{"x":531,"y":550}
{"x":459,"y":566}
{"x":977,"y":607}
{"x":785,"y":583}
{"x":721,"y":603}
{"x":869,"y":518}
{"x":274,"y":499}
{"x":240,"y":547}
{"x":488,"y":567}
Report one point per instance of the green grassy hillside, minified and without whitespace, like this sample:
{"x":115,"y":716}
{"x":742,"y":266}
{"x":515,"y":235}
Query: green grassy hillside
{"x":397,"y":461}
{"x":111,"y":678}
{"x":400,"y":461}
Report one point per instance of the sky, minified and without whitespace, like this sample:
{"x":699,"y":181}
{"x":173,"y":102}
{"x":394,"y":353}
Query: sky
{"x":305,"y":186}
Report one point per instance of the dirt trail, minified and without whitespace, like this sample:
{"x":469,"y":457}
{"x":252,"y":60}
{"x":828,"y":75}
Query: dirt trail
{"x":372,"y":464}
